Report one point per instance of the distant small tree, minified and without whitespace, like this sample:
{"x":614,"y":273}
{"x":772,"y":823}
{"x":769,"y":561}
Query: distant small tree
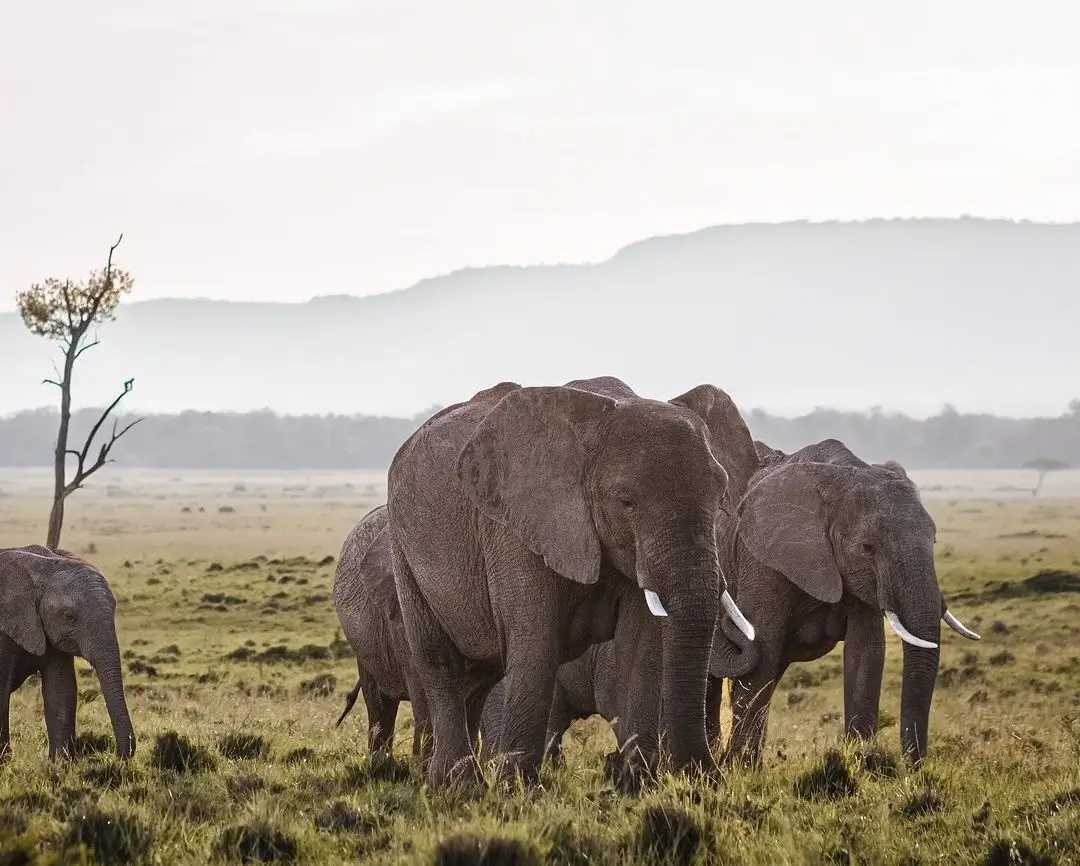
{"x":1043,"y":465}
{"x":64,"y":312}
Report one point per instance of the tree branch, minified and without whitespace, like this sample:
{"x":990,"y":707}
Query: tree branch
{"x":84,"y":348}
{"x":112,"y":249}
{"x":51,"y":382}
{"x":83,"y":472}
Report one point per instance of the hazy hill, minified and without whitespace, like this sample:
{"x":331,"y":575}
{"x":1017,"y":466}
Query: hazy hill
{"x":907,"y":314}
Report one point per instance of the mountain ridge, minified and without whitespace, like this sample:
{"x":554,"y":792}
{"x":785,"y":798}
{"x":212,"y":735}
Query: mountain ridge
{"x":905,"y":312}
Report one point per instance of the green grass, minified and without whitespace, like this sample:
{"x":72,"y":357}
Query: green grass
{"x":236,"y":673}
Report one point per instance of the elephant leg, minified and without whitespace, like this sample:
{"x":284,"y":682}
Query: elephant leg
{"x":382,"y":713}
{"x":639,"y":664}
{"x":443,"y":678}
{"x":864,"y":662}
{"x":533,"y":651}
{"x":474,"y":712}
{"x":422,"y":744}
{"x":5,"y":710}
{"x":491,"y":722}
{"x":59,"y":692}
{"x":714,"y":694}
{"x":16,"y":664}
{"x":530,"y":682}
{"x":750,"y":697}
{"x":559,"y":721}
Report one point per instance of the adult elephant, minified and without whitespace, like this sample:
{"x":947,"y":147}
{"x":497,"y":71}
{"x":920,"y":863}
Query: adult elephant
{"x":530,"y":522}
{"x":52,"y":608}
{"x":367,"y":606}
{"x":826,"y":545}
{"x":599,"y":681}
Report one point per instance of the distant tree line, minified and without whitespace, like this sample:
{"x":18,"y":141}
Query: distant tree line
{"x":266,"y":440}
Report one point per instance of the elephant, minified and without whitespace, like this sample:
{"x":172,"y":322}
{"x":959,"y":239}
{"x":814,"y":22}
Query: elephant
{"x":528,"y":523}
{"x":54,"y":606}
{"x":367,"y":606}
{"x":825,"y":546}
{"x":596,"y":683}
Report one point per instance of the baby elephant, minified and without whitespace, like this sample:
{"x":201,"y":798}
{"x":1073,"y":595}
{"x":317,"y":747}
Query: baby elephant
{"x":53,"y":607}
{"x":367,"y":605}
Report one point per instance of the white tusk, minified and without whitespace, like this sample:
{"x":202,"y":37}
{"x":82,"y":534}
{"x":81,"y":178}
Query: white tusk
{"x":737,"y":615}
{"x":656,"y":607}
{"x":905,"y":635}
{"x":959,"y":627}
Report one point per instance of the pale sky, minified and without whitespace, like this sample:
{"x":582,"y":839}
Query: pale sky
{"x":279,"y":149}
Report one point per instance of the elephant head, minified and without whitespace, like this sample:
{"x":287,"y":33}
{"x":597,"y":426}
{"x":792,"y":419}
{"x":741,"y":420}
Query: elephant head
{"x":846,"y":527}
{"x":593,"y":477}
{"x":65,"y":603}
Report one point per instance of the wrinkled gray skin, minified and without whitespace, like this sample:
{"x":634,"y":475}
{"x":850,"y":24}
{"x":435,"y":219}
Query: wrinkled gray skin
{"x":367,"y":606}
{"x":524,"y":525}
{"x":825,"y":544}
{"x":596,"y":682}
{"x":54,"y":607}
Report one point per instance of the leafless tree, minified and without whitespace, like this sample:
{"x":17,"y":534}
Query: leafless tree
{"x":64,"y":312}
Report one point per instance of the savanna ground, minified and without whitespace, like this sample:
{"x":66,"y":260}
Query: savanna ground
{"x":236,"y":673}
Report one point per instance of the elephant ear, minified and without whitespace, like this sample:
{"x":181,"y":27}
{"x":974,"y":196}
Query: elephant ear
{"x":729,"y":438}
{"x":783,"y":522}
{"x":524,"y":468}
{"x":19,"y":617}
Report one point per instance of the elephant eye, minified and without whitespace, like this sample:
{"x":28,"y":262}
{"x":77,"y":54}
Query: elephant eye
{"x":626,"y":502}
{"x":868,"y":549}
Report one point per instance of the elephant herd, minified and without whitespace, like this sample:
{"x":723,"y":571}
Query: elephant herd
{"x":549,"y":553}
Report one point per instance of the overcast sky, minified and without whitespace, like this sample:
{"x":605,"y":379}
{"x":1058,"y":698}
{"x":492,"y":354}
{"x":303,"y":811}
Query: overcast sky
{"x":279,"y":149}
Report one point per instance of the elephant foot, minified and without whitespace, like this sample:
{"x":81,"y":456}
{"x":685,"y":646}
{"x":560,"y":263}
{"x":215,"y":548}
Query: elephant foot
{"x":704,"y":772}
{"x":512,"y":769}
{"x":628,"y":775}
{"x":462,"y":779}
{"x":62,"y":753}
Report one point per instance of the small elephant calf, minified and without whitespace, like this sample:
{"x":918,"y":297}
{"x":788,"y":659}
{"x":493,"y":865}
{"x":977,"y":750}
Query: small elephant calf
{"x":367,"y":606}
{"x":53,"y":607}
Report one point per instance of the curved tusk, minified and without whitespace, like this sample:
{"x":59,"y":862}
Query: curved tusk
{"x":737,"y":615}
{"x":656,"y":607}
{"x":904,"y":634}
{"x":959,"y":627}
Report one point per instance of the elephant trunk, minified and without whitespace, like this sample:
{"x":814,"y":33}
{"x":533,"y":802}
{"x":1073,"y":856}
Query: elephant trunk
{"x":687,"y":638}
{"x":733,"y":653}
{"x":104,"y":657}
{"x":916,"y":618}
{"x":920,"y":675}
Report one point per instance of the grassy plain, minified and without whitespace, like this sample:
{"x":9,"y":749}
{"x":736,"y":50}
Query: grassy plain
{"x":226,"y":618}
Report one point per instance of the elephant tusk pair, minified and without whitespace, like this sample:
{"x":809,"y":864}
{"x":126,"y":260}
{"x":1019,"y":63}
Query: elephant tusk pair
{"x":959,"y":627}
{"x":908,"y":637}
{"x":656,"y":608}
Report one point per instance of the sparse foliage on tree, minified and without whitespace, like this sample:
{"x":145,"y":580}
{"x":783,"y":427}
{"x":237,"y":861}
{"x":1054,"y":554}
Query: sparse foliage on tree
{"x":64,"y":312}
{"x":1043,"y":465}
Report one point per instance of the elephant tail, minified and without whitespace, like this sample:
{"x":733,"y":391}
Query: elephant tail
{"x":350,"y":699}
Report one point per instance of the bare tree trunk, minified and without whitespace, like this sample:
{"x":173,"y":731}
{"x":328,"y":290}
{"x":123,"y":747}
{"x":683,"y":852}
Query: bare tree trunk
{"x":56,"y":514}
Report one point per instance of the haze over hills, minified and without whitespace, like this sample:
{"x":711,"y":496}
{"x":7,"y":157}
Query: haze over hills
{"x":904,"y":314}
